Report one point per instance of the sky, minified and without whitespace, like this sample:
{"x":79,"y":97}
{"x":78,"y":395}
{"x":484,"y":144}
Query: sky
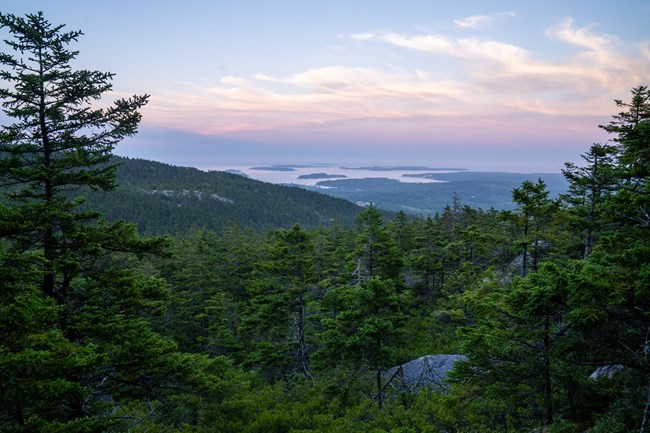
{"x":516,"y":85}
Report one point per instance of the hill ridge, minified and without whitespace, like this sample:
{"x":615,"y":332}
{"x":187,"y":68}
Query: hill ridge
{"x":164,"y":198}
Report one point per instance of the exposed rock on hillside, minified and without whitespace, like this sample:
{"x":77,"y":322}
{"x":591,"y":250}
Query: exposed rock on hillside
{"x":425,"y":371}
{"x":606,"y":371}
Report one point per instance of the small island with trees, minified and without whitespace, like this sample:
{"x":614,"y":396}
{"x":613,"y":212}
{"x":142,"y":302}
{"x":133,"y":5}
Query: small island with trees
{"x":322,"y":176}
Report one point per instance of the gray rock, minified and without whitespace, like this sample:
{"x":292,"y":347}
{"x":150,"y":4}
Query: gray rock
{"x":425,"y":371}
{"x":607,"y":371}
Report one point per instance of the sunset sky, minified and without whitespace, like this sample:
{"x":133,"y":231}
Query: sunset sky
{"x":487,"y":85}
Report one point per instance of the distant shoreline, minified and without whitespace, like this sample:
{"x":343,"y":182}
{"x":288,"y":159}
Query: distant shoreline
{"x":322,"y":176}
{"x":274,"y":168}
{"x":403,"y":168}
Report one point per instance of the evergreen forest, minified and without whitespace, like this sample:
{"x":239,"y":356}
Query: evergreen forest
{"x":298,"y":328}
{"x":164,"y":199}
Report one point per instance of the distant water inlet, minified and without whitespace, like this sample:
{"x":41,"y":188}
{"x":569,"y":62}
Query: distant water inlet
{"x":311,"y":175}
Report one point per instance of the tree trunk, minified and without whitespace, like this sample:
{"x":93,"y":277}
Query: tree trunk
{"x":304,"y":362}
{"x":548,"y":385}
{"x":380,"y":388}
{"x":380,"y":396}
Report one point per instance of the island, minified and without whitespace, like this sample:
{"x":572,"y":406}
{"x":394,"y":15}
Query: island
{"x":236,"y":171}
{"x":322,"y":176}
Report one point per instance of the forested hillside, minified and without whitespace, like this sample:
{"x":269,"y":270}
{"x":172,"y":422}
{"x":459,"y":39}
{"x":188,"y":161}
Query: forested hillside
{"x":161,"y":198}
{"x":303,"y":329}
{"x":480,"y":190}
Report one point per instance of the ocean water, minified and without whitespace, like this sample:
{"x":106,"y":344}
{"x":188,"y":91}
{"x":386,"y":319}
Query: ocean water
{"x":295,"y":174}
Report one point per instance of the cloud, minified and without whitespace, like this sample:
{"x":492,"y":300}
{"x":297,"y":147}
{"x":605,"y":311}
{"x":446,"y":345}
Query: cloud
{"x":468,"y":48}
{"x":582,"y":37}
{"x":234,"y":81}
{"x":453,"y":80}
{"x":429,"y":43}
{"x":473,"y":21}
{"x":516,"y":77}
{"x":478,"y":21}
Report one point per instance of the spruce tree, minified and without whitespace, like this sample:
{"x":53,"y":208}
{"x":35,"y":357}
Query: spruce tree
{"x":589,"y":186}
{"x":377,"y":253}
{"x":364,"y":319}
{"x":77,"y":349}
{"x":276,"y":317}
{"x":535,"y":211}
{"x":58,"y":144}
{"x":632,"y":134}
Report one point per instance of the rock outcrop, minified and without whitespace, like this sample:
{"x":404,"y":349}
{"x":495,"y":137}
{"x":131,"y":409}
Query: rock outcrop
{"x":606,"y":371}
{"x":425,"y":371}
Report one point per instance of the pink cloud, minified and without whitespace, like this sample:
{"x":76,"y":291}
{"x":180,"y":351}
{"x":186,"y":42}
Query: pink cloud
{"x":504,"y":95}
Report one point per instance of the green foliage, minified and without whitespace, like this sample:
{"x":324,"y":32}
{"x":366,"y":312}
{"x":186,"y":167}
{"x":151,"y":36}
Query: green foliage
{"x":164,"y":199}
{"x":534,"y":214}
{"x":632,"y":129}
{"x":41,"y":369}
{"x":589,"y":188}
{"x":376,"y":253}
{"x":364,"y":328}
{"x":78,"y":343}
{"x":479,"y":190}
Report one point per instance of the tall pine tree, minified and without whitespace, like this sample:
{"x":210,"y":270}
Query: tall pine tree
{"x":76,"y":344}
